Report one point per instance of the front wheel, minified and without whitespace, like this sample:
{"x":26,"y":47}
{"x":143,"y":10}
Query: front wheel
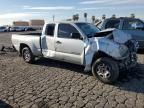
{"x":106,"y":70}
{"x":27,"y":55}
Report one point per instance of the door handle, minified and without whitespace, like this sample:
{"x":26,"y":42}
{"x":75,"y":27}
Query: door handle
{"x":58,"y":42}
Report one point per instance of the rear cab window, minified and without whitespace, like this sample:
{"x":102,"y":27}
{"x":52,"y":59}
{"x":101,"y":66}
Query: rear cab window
{"x":50,"y":29}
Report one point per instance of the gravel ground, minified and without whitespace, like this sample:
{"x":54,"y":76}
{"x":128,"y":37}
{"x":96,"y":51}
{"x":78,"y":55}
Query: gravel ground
{"x":54,"y":84}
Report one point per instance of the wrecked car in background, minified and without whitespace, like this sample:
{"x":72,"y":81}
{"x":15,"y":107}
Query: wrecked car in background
{"x":105,"y":53}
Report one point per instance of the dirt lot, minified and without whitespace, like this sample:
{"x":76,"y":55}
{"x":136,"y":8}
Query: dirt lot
{"x":53,"y":84}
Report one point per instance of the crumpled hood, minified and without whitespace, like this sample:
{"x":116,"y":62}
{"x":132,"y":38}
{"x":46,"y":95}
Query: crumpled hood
{"x":118,"y":35}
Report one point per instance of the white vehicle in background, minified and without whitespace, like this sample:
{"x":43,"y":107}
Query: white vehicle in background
{"x":3,"y":29}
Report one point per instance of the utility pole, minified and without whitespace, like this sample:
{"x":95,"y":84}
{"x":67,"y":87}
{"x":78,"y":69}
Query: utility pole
{"x":53,"y":18}
{"x":85,"y":16}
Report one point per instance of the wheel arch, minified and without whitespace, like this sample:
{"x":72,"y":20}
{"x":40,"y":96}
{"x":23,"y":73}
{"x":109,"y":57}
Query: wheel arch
{"x":98,"y":55}
{"x":22,"y":45}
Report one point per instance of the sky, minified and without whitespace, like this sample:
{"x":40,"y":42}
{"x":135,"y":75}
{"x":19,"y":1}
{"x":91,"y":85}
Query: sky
{"x":24,"y":10}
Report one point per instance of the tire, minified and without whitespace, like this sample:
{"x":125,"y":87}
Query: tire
{"x":106,"y":70}
{"x":27,"y":55}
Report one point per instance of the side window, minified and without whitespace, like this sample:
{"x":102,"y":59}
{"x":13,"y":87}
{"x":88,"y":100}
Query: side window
{"x":65,"y":30}
{"x":112,"y":24}
{"x":131,"y":24}
{"x":50,"y":28}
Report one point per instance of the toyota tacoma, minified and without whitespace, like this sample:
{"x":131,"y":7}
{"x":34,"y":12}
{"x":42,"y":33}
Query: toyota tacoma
{"x":105,"y":53}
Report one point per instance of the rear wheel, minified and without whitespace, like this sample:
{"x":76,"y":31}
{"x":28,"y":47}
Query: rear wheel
{"x":106,"y":70}
{"x":27,"y":55}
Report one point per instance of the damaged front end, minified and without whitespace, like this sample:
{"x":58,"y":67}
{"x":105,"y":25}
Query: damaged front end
{"x":131,"y":60}
{"x":117,"y":45}
{"x":123,"y":38}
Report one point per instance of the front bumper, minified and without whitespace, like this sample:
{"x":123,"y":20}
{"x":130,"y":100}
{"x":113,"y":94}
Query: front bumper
{"x":129,"y":62}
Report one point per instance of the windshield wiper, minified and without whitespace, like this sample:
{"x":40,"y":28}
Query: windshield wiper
{"x":102,"y":34}
{"x":90,"y":35}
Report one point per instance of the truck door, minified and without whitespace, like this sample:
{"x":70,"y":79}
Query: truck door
{"x":68,"y":48}
{"x":47,"y":41}
{"x":129,"y":26}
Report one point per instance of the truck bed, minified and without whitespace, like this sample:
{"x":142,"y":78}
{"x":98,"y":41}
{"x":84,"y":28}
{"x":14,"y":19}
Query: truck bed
{"x":30,"y":39}
{"x":31,"y":34}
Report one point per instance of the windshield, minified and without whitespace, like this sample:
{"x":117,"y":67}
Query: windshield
{"x":88,"y":29}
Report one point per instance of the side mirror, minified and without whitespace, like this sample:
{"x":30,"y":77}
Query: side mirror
{"x":76,"y":36}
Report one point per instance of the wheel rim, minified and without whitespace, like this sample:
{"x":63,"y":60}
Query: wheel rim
{"x":103,"y":71}
{"x":27,"y":55}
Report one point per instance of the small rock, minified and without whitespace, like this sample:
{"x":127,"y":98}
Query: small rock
{"x":64,"y":98}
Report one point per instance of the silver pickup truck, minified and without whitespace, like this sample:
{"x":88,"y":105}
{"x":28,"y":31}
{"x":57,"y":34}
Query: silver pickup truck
{"x":105,"y":53}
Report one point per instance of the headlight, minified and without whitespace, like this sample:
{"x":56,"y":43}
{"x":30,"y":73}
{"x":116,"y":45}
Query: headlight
{"x":123,"y":50}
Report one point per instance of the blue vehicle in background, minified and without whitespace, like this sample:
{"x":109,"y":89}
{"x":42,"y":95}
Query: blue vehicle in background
{"x":132,"y":26}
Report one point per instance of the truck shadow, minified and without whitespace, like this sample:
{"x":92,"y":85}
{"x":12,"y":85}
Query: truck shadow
{"x":4,"y":105}
{"x":140,"y":51}
{"x":62,"y":65}
{"x":136,"y":73}
{"x":132,"y":80}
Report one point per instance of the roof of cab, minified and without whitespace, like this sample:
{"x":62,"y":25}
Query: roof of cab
{"x":68,"y":22}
